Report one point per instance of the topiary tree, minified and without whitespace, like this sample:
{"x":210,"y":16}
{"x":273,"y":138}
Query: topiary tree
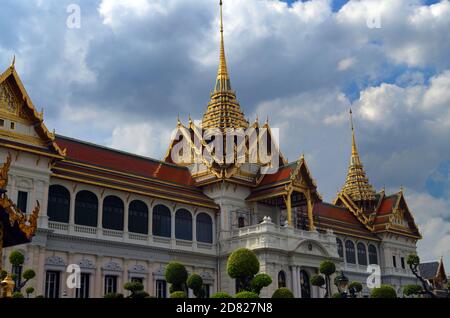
{"x":221,"y":295}
{"x":17,"y":259}
{"x":17,"y":295}
{"x":259,"y":282}
{"x":318,"y":280}
{"x":178,"y":294}
{"x":29,"y":291}
{"x":337,"y":295}
{"x":195,"y":282}
{"x":283,"y":292}
{"x":136,"y":289}
{"x":355,"y":288}
{"x":413,"y":261}
{"x":412,"y":290}
{"x":3,"y":274}
{"x":246,"y":294}
{"x":327,"y":268}
{"x":176,"y":275}
{"x":384,"y":291}
{"x":243,"y":265}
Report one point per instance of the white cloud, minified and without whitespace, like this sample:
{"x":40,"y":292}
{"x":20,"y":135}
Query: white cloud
{"x":345,"y":64}
{"x":143,"y":139}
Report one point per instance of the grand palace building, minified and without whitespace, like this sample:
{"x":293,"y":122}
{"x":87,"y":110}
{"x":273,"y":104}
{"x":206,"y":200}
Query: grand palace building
{"x":123,"y":217}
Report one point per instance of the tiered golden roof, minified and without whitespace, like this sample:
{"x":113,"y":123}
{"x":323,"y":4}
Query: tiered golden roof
{"x":223,"y":110}
{"x":357,"y":185}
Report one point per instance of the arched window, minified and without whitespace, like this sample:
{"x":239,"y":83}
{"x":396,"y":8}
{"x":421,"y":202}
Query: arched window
{"x":113,"y":213}
{"x":350,"y":252}
{"x":373,"y":257}
{"x":340,"y":247}
{"x":281,"y":279}
{"x":204,"y":228}
{"x":362,"y":254}
{"x":58,"y":209}
{"x":161,"y":221}
{"x":183,"y":225}
{"x":138,"y":217}
{"x":86,"y":209}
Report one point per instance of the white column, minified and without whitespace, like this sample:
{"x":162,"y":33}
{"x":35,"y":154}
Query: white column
{"x":100,"y":218}
{"x":126,"y":218}
{"x":295,"y":282}
{"x":194,"y":229}
{"x":72,"y":210}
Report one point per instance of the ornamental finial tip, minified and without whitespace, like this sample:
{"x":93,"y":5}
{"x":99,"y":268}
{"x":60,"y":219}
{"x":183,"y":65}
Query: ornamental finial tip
{"x":13,"y":62}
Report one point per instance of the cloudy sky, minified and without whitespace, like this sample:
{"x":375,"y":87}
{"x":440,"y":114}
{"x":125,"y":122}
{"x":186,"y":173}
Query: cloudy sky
{"x":122,"y":78}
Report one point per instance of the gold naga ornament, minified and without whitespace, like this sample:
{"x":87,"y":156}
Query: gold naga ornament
{"x":26,"y":223}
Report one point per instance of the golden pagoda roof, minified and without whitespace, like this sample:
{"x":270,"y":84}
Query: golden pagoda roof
{"x":223,"y":110}
{"x":357,"y":185}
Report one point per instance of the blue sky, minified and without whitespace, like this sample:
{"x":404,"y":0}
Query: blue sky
{"x":122,"y":79}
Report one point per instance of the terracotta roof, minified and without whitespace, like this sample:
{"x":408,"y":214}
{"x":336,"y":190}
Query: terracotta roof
{"x":387,"y":205}
{"x":340,"y":220}
{"x":284,"y":173}
{"x":102,"y":166}
{"x":95,"y":155}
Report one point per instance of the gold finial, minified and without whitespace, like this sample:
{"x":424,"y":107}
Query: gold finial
{"x":13,"y":62}
{"x":267,"y":120}
{"x":178,"y":120}
{"x":257,"y":118}
{"x":401,"y":189}
{"x":222,"y":75}
{"x":354,"y":148}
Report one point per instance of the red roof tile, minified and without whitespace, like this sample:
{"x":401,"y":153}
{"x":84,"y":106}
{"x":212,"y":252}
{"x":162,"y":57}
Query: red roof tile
{"x":283,"y":173}
{"x":119,"y":161}
{"x":387,"y":205}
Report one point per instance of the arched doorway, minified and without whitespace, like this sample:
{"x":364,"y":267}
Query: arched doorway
{"x":304,"y":284}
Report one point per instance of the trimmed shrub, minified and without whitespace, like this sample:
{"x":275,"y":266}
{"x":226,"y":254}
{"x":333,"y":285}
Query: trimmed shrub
{"x":337,"y":295}
{"x":221,"y":295}
{"x":283,"y":293}
{"x":29,"y":274}
{"x":195,"y":282}
{"x":246,"y":294}
{"x":410,"y":290}
{"x":385,"y":291}
{"x":3,"y":274}
{"x":176,"y":273}
{"x":16,"y":258}
{"x":357,"y":287}
{"x":327,"y":268}
{"x":29,"y":291}
{"x":17,"y":295}
{"x":178,"y":294}
{"x":259,"y":282}
{"x":317,"y":280}
{"x":242,"y":263}
{"x":39,"y":296}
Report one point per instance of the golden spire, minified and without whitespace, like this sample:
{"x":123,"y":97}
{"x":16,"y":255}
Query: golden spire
{"x":357,"y":185}
{"x":223,"y":110}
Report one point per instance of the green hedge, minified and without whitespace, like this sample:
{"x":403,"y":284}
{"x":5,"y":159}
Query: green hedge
{"x":221,"y":295}
{"x":283,"y":293}
{"x":178,"y":294}
{"x":384,"y":291}
{"x":246,"y":294}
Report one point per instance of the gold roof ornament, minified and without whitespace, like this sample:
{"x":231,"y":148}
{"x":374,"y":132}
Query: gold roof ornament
{"x":357,"y":185}
{"x":223,"y":110}
{"x":13,"y":62}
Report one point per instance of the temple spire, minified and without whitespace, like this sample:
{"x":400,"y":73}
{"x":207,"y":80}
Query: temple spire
{"x":357,"y":184}
{"x":223,"y":79}
{"x":223,"y":110}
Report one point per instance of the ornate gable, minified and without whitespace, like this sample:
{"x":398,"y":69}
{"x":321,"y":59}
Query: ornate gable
{"x":19,"y":120}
